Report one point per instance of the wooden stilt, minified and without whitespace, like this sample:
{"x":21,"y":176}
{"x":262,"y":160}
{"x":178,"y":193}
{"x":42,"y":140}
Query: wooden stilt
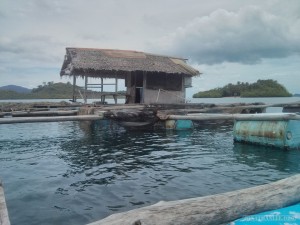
{"x":74,"y":89}
{"x":85,"y":89}
{"x":116,"y":90}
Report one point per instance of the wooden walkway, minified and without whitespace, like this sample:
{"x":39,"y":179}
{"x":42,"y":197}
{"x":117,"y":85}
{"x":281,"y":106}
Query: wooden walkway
{"x":4,"y":219}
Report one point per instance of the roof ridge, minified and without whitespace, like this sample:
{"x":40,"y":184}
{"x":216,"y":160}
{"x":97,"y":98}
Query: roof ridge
{"x":124,"y":50}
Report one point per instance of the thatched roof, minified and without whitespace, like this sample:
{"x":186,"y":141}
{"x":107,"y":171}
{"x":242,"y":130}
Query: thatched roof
{"x":108,"y":63}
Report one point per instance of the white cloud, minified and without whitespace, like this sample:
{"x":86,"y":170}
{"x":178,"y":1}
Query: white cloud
{"x":246,"y":36}
{"x":222,"y":38}
{"x":285,"y":71}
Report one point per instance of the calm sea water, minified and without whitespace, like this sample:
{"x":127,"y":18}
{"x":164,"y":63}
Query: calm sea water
{"x":80,"y":172}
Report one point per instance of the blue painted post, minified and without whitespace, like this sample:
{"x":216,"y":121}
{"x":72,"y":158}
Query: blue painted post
{"x":179,"y":124}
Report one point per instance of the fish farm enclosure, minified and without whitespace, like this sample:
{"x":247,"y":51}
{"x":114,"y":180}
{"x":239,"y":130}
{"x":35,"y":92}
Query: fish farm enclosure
{"x":80,"y":172}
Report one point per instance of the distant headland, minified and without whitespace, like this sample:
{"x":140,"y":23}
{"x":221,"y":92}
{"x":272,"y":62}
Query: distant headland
{"x":261,"y":88}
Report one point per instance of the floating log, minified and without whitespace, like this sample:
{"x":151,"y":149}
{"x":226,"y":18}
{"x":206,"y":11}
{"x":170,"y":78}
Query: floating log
{"x":213,"y":116}
{"x":291,"y":108}
{"x":214,"y":209}
{"x":44,"y":113}
{"x":4,"y":219}
{"x":49,"y":119}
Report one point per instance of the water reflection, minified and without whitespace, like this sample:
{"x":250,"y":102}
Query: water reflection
{"x":76,"y":173}
{"x":257,"y":156}
{"x":107,"y":152}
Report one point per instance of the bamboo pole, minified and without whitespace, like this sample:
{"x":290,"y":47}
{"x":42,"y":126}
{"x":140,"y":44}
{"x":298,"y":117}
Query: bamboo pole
{"x":45,"y":113}
{"x":213,"y":116}
{"x":4,"y":219}
{"x":49,"y":119}
{"x":214,"y":209}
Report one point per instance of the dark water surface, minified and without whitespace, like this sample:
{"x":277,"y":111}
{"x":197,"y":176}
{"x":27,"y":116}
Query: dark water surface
{"x":76,"y":173}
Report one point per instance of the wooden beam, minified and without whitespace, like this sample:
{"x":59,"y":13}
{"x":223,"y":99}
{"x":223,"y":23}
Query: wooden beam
{"x":44,"y":113}
{"x":213,"y":116}
{"x":49,"y":119}
{"x":214,"y":209}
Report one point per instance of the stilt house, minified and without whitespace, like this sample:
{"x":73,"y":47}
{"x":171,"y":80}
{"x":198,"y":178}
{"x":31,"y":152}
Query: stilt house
{"x":148,"y":78}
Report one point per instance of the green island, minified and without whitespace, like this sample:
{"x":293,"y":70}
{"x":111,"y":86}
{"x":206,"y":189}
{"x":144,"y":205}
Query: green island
{"x":261,"y":88}
{"x":49,"y":90}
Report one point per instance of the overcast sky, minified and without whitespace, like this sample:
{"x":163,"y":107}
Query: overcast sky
{"x":228,"y":40}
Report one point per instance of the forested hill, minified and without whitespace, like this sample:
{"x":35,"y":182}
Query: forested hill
{"x":261,"y":88}
{"x":47,"y":90}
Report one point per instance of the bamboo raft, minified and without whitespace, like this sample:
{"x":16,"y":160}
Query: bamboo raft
{"x":147,"y":114}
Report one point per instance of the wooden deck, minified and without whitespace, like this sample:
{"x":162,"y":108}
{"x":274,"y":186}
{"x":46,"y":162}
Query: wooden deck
{"x":4,"y":219}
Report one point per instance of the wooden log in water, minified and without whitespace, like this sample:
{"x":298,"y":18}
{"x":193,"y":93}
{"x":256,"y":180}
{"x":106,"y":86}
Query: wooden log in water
{"x":213,"y":116}
{"x":44,"y":113}
{"x":214,"y":209}
{"x":4,"y":219}
{"x":49,"y":119}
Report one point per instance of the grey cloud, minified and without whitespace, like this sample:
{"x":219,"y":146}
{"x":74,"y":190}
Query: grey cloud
{"x":246,"y":36}
{"x":34,"y":50}
{"x":46,"y":7}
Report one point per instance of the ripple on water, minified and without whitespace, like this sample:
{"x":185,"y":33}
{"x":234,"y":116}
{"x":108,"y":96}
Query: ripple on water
{"x":76,"y":173}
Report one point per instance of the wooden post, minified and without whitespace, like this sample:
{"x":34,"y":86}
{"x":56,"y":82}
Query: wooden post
{"x":215,"y":209}
{"x":85,"y":89}
{"x":102,"y":97}
{"x":144,"y":86}
{"x":74,"y":88}
{"x":116,"y":90}
{"x":183,"y":89}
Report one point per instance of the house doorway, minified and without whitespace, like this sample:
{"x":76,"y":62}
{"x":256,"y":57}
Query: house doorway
{"x":138,"y":78}
{"x":138,"y":95}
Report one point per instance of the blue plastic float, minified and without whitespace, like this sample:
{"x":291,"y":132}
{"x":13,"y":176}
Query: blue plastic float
{"x":276,"y":133}
{"x":284,"y":216}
